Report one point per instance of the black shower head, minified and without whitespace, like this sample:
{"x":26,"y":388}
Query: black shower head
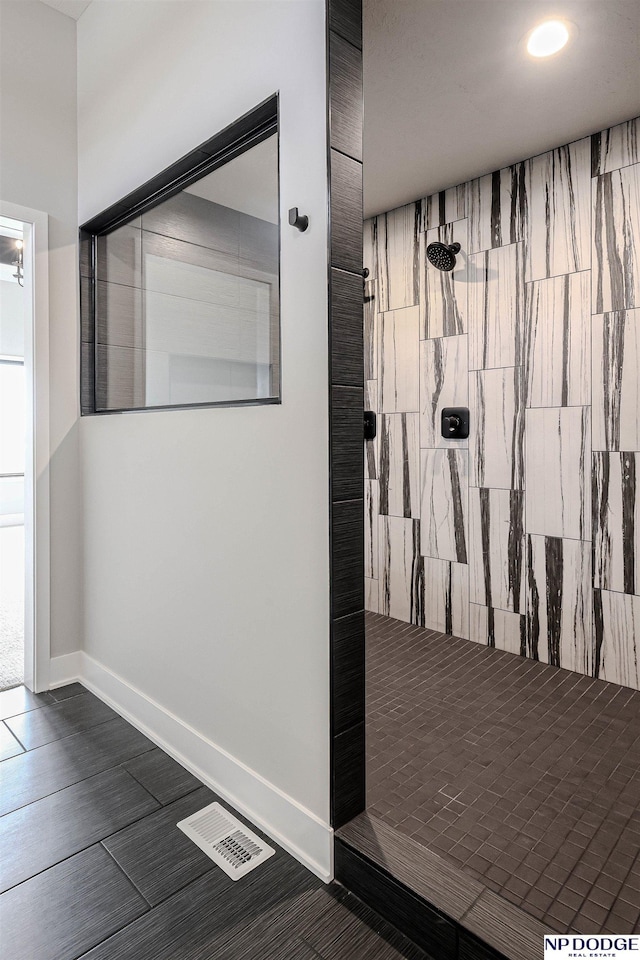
{"x":443,"y":255}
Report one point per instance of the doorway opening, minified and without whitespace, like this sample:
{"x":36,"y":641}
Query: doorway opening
{"x":24,"y":439}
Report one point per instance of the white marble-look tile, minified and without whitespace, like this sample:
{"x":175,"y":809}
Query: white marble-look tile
{"x":558,"y":475}
{"x":616,"y":240}
{"x":371,"y":397}
{"x":371,"y":595}
{"x":444,"y":294}
{"x":497,"y":628}
{"x":616,"y":147}
{"x":371,"y":513}
{"x":497,"y":208}
{"x":496,"y":307}
{"x":559,"y":603}
{"x":559,"y":219}
{"x":616,"y":380}
{"x":445,"y":207}
{"x":557,"y":328}
{"x":397,"y":268}
{"x":446,"y":597}
{"x":616,"y":628}
{"x":370,"y":331}
{"x":399,"y":361}
{"x":616,"y":516}
{"x":399,"y":465}
{"x":497,"y":568}
{"x":444,"y":382}
{"x":445,"y":486}
{"x":370,"y":246}
{"x":401,"y":570}
{"x":496,"y":410}
{"x":371,"y":446}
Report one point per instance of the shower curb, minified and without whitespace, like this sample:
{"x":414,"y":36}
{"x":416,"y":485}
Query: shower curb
{"x":443,"y":910}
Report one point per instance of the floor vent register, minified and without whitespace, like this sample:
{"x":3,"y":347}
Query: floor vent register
{"x":226,"y":841}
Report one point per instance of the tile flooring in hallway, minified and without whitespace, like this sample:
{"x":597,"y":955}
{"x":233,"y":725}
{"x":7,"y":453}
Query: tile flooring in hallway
{"x":92,"y":864}
{"x":523,"y":776}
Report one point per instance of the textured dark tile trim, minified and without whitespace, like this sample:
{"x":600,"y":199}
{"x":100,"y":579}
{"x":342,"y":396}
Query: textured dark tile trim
{"x":488,"y":927}
{"x":85,"y":253}
{"x":428,"y":928}
{"x":422,"y":871}
{"x":347,"y":671}
{"x":345,"y":19}
{"x":470,"y":948}
{"x":346,"y":213}
{"x":345,"y":97}
{"x":86,"y":309}
{"x":349,"y":786}
{"x":87,"y":348}
{"x":346,"y":379}
{"x":347,"y":558}
{"x":347,"y":444}
{"x":347,"y":345}
{"x":87,"y":378}
{"x":505,"y":927}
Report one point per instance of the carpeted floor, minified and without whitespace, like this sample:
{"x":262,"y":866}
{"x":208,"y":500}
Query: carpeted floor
{"x":11,"y":644}
{"x":11,"y":606}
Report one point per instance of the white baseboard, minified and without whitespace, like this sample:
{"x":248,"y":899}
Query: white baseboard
{"x":291,"y":825}
{"x":65,"y":669}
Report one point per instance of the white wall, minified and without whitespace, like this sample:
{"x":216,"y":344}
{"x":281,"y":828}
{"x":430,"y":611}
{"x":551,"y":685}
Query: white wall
{"x":38,"y":169}
{"x":11,"y":318}
{"x":206,"y":531}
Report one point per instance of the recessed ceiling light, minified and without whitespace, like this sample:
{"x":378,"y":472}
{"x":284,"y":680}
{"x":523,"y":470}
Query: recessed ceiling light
{"x":547,"y":39}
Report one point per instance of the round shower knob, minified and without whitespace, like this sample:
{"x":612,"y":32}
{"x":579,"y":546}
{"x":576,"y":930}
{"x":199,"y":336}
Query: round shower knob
{"x":454,"y":422}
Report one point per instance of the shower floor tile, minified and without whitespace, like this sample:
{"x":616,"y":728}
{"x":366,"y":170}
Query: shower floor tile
{"x":524,"y":776}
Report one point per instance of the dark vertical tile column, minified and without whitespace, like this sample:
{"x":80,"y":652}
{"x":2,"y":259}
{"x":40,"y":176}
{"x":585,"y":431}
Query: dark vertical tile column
{"x":87,"y":345}
{"x":344,"y":40}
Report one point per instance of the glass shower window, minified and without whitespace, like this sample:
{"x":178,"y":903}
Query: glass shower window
{"x":187,"y":294}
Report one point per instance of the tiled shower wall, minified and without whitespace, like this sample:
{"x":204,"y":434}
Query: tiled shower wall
{"x":525,"y":536}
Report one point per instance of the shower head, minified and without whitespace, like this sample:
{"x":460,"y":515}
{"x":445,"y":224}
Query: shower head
{"x":443,"y":255}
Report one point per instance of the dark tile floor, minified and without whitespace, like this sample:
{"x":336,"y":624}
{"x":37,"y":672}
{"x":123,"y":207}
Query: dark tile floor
{"x":93,"y":866}
{"x":524,"y":776}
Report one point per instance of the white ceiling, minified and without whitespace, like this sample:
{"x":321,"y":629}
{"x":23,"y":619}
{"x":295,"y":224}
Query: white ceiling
{"x":71,"y":8}
{"x":450,"y":92}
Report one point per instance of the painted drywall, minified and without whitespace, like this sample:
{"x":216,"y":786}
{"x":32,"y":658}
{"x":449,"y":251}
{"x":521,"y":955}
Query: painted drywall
{"x":38,"y":169}
{"x":206,"y":531}
{"x":524,"y":536}
{"x":11,"y":319}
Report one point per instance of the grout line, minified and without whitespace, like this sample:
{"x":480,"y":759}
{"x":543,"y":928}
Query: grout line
{"x":29,"y":753}
{"x":15,"y":737}
{"x":66,"y":736}
{"x":124,"y":872}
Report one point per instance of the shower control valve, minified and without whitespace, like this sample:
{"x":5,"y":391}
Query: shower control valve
{"x":455,"y":423}
{"x":369,"y":425}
